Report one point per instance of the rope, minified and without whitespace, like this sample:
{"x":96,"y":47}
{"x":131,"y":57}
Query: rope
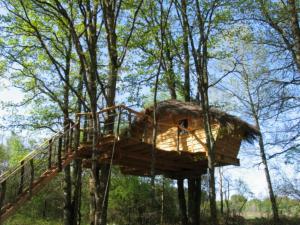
{"x":112,"y":156}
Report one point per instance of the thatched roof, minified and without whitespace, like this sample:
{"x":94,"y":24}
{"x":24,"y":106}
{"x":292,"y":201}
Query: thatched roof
{"x":178,"y":108}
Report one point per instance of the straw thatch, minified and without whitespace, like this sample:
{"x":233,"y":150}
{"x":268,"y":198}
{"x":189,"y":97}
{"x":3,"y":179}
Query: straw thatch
{"x":175,"y":108}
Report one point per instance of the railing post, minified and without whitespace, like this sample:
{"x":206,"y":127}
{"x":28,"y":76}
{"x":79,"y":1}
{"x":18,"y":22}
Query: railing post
{"x":119,"y":121}
{"x":21,"y":185}
{"x":2,"y":197}
{"x":31,"y":176}
{"x":50,"y":154}
{"x":99,"y":125}
{"x":59,"y":161}
{"x":77,"y":134}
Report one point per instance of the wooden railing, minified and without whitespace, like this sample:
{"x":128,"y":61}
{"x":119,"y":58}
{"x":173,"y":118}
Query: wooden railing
{"x":20,"y":180}
{"x":108,"y":120}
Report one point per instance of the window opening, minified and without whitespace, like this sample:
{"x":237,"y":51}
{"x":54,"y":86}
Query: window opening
{"x":183,"y":123}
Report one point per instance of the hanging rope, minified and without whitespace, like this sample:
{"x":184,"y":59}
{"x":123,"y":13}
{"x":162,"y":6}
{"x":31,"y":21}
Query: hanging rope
{"x":112,"y":156}
{"x":154,"y":132}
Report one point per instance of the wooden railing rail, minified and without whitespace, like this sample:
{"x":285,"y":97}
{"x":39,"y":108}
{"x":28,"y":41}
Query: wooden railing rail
{"x":19,"y":180}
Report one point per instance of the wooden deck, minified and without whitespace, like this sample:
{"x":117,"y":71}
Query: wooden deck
{"x":134,"y":157}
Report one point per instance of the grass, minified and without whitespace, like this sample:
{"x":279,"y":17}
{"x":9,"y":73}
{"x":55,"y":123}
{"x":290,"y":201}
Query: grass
{"x":27,"y":220}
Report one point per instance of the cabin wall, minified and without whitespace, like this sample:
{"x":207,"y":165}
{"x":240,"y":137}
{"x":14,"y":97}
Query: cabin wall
{"x":227,"y":141}
{"x":167,"y":135}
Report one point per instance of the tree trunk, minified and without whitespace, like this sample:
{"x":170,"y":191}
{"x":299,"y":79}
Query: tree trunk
{"x":203,"y":77}
{"x":197,"y":200}
{"x":268,"y":177}
{"x":263,"y":155}
{"x":185,"y":46}
{"x":92,"y":200}
{"x":191,"y":202}
{"x":111,"y":37}
{"x":194,"y":191}
{"x":77,"y":166}
{"x":294,"y":22}
{"x":186,"y":93}
{"x":76,"y":200}
{"x":170,"y":74}
{"x":162,"y":208}
{"x":227,"y":195}
{"x":68,"y":212}
{"x":182,"y":202}
{"x":221,"y":192}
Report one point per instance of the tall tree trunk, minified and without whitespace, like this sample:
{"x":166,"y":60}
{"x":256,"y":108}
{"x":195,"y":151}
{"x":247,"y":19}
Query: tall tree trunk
{"x":194,"y":191}
{"x":68,"y":212}
{"x":203,"y":77}
{"x":221,"y":192}
{"x":170,"y":74}
{"x":197,"y":199}
{"x":263,"y":154}
{"x":77,"y":165}
{"x":294,"y":23}
{"x":185,"y":46}
{"x":182,"y":202}
{"x":267,"y":174}
{"x":191,"y":202}
{"x":193,"y":194}
{"x":111,"y":37}
{"x":162,"y":208}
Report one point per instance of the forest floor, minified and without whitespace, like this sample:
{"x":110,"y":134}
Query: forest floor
{"x":258,"y":221}
{"x":239,"y":220}
{"x":26,"y":220}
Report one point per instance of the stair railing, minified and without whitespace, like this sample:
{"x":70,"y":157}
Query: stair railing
{"x":20,"y":179}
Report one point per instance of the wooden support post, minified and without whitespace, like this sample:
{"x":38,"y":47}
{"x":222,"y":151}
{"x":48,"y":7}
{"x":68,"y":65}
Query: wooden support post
{"x":59,"y":161}
{"x":144,"y":132}
{"x":71,"y":138}
{"x":129,"y":124}
{"x":65,"y":148}
{"x":50,"y":154}
{"x":31,"y":176}
{"x":90,"y":128}
{"x":177,"y":140}
{"x":77,"y":136}
{"x":2,"y":197}
{"x":21,"y":185}
{"x":99,"y":126}
{"x":85,"y":129}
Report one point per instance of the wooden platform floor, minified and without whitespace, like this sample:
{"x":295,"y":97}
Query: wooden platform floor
{"x":135,"y":158}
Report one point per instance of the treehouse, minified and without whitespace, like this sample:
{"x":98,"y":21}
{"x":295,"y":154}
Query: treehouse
{"x":121,"y":136}
{"x":180,"y":147}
